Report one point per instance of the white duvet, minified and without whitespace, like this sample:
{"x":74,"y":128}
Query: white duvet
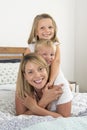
{"x":8,"y":120}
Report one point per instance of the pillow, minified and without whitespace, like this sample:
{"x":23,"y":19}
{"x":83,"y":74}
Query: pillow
{"x":7,"y":101}
{"x":79,"y":103}
{"x":8,"y":87}
{"x":9,"y":72}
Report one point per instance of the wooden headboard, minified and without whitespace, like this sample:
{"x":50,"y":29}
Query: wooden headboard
{"x":12,"y":52}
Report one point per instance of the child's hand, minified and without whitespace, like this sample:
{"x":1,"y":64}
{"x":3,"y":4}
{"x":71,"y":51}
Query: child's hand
{"x":49,"y":84}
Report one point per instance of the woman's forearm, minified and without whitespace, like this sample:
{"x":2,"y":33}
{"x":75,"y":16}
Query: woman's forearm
{"x":43,"y":103}
{"x":43,"y":112}
{"x":28,"y":112}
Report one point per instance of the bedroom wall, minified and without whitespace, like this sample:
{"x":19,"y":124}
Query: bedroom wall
{"x":81,"y":44}
{"x":16,"y":17}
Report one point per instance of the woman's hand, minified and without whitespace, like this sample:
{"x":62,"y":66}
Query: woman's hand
{"x":29,"y":102}
{"x":50,"y":95}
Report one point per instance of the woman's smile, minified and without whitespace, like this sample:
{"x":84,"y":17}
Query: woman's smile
{"x":38,"y":81}
{"x":36,"y":75}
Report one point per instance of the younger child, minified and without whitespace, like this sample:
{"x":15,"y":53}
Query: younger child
{"x":47,"y":50}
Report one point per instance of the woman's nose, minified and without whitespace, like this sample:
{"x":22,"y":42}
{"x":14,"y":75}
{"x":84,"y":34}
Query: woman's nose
{"x":37,"y":74}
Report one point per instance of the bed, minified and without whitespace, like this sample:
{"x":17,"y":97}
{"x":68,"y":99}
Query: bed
{"x":10,"y":58}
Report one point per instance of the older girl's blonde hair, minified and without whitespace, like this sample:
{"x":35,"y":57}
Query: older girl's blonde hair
{"x":22,"y":85}
{"x":33,"y":37}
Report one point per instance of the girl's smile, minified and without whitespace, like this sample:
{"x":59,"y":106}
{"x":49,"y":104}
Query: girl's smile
{"x":45,"y":29}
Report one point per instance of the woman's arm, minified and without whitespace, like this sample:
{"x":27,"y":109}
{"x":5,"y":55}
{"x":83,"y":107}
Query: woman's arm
{"x":55,"y":66}
{"x":64,"y":109}
{"x":31,"y":104}
{"x":21,"y":108}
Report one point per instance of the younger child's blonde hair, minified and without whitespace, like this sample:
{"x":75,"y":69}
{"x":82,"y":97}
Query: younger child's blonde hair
{"x":44,"y":43}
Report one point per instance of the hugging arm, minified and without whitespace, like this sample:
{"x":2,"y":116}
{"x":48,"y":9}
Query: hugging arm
{"x":64,"y":109}
{"x":50,"y":95}
{"x":29,"y":106}
{"x":55,"y":67}
{"x":20,"y":107}
{"x":35,"y":109}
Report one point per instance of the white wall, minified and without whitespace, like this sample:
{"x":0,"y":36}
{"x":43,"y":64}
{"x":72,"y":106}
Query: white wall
{"x":81,"y":44}
{"x":16,"y":17}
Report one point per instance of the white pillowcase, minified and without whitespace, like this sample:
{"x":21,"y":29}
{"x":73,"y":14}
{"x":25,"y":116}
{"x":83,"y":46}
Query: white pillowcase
{"x":8,"y":87}
{"x":9,"y":72}
{"x":7,"y":101}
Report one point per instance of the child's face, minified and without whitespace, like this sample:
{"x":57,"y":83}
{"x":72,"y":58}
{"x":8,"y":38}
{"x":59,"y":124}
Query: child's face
{"x":36,"y":75}
{"x":48,"y":53}
{"x":45,"y":29}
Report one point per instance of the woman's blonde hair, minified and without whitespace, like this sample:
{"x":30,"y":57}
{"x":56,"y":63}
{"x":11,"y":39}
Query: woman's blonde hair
{"x":22,"y":85}
{"x":33,"y":37}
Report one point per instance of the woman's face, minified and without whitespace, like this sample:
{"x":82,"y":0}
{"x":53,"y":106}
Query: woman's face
{"x":45,"y":29}
{"x":36,"y":75}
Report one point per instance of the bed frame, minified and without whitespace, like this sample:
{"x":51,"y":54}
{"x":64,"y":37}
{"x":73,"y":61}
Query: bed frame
{"x":12,"y":52}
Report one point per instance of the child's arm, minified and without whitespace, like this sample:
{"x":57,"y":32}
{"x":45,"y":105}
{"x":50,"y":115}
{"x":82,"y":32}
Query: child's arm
{"x":55,"y":67}
{"x":50,"y":95}
{"x":27,"y":51}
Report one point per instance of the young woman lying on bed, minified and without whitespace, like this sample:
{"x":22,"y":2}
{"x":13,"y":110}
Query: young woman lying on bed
{"x":32,"y":95}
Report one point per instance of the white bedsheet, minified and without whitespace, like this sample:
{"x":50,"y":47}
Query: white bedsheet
{"x":8,"y":120}
{"x":22,"y":122}
{"x":79,"y":104}
{"x":11,"y":122}
{"x":72,"y":123}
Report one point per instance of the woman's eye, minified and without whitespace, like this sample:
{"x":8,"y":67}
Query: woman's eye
{"x":29,"y":72}
{"x":50,"y":27}
{"x":40,"y":69}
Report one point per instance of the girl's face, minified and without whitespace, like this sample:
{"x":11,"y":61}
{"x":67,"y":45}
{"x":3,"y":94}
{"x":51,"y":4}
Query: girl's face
{"x":48,"y":53}
{"x":36,"y":75}
{"x":45,"y":29}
